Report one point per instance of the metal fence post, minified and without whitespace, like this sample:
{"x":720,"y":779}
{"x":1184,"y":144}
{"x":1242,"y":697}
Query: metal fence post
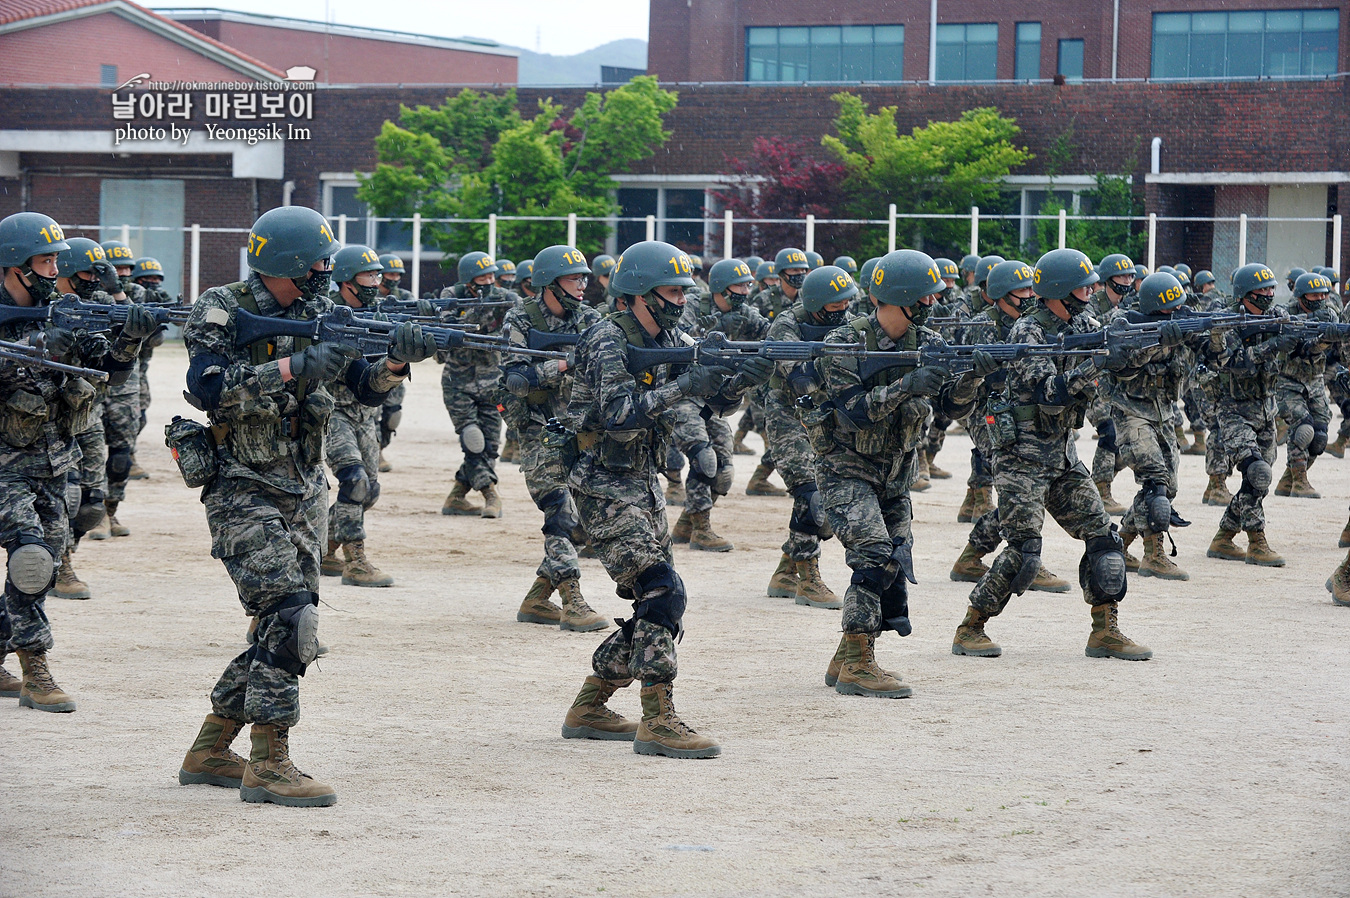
{"x":126,"y":234}
{"x":571,"y":229}
{"x":195,"y":263}
{"x":1336,"y":243}
{"x":1152,"y":241}
{"x":890,"y":229}
{"x":726,"y":234}
{"x":492,"y":235}
{"x":651,"y":227}
{"x":810,"y":233}
{"x":342,"y":229}
{"x":417,"y":255}
{"x":974,"y":230}
{"x":1063,"y":228}
{"x":1242,"y":242}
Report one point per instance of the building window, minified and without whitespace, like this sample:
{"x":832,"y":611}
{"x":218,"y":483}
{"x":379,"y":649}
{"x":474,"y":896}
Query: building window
{"x":107,"y":75}
{"x":1071,"y":59}
{"x":825,"y":53}
{"x":1027,"y":66}
{"x":1287,"y":43}
{"x":967,"y":52}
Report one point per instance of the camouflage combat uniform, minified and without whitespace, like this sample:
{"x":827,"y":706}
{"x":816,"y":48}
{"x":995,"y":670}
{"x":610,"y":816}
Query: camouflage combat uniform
{"x":267,"y":505}
{"x":353,"y":438}
{"x":1106,"y":460}
{"x":1301,"y":390}
{"x":471,"y":387}
{"x":990,"y":326}
{"x":391,"y":410}
{"x":122,"y":416}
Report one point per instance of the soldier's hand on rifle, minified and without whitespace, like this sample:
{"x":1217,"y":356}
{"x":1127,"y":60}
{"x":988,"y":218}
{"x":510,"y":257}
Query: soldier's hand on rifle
{"x":926,"y":381}
{"x":409,"y":344}
{"x":323,"y":361}
{"x":983,"y":364}
{"x":1331,"y":333}
{"x":107,"y":276}
{"x":427,"y":309}
{"x":140,"y":323}
{"x":708,"y":322}
{"x":703,"y":380}
{"x":1170,"y":334}
{"x":1283,"y":343}
{"x":756,"y":371}
{"x":58,"y":341}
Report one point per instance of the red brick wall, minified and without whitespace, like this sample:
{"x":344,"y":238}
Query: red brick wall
{"x":71,"y":52}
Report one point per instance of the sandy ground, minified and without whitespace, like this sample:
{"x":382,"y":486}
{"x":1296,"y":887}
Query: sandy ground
{"x":1218,"y":768}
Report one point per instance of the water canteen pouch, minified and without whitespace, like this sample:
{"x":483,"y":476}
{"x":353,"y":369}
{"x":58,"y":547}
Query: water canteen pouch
{"x":194,"y":450}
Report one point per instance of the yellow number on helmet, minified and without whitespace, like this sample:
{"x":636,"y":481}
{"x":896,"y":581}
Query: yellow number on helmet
{"x":878,"y":275}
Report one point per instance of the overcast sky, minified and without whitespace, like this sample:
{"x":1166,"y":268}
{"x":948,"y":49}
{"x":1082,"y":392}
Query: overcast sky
{"x":561,"y":27}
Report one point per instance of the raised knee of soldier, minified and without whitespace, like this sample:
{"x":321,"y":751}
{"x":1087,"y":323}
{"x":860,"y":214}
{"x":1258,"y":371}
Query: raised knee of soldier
{"x":118,"y":465}
{"x":1256,"y":475}
{"x":30,"y":568}
{"x":296,"y":642}
{"x":661,"y":598}
{"x":354,"y":485}
{"x":1101,"y":571}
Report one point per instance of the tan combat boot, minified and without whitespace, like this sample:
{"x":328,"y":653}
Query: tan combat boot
{"x":492,"y":502}
{"x":662,"y":732}
{"x":860,"y":675}
{"x":1339,"y":584}
{"x":934,"y":472}
{"x":588,"y":718}
{"x":101,"y":530}
{"x":738,"y":446}
{"x":1344,"y":541}
{"x":965,"y":514}
{"x":1222,"y":546}
{"x":1260,"y":552}
{"x":458,"y":501}
{"x":1131,"y":563}
{"x":511,"y":452}
{"x":1108,"y":501}
{"x":971,"y":639}
{"x":1198,"y":447}
{"x":1182,"y":443}
{"x":703,"y":537}
{"x":675,"y":494}
{"x":576,"y":614}
{"x":39,"y":690}
{"x":114,"y":527}
{"x":969,"y":567}
{"x":384,"y":466}
{"x":1155,"y":562}
{"x":1336,"y":448}
{"x":1046,"y":581}
{"x":837,"y":664}
{"x":984,"y":502}
{"x":269,"y":774}
{"x":1301,"y":488}
{"x":921,"y":481}
{"x":330,"y":565}
{"x":684,"y":527}
{"x":136,"y":472}
{"x":68,"y":585}
{"x":1106,"y":640}
{"x":10,"y":685}
{"x":1285,"y":483}
{"x":537,"y":609}
{"x":360,"y":570}
{"x":783,"y":583}
{"x":759,"y":484}
{"x":209,"y":761}
{"x":1217,"y":492}
{"x":811,"y":589}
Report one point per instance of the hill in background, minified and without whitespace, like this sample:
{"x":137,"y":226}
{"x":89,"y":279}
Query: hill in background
{"x":580,"y":68}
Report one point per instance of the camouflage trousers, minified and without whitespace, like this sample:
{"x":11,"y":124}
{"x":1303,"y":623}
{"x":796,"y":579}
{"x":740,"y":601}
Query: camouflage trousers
{"x":546,"y":476}
{"x":797,"y":465}
{"x":1150,"y":450}
{"x":753,"y":419}
{"x":270,"y":543}
{"x":937,"y":432}
{"x":986,"y":534}
{"x":1193,"y":404}
{"x":981,"y":474}
{"x":674,"y":458}
{"x":689,"y":432}
{"x":93,"y":466}
{"x":625,"y":517}
{"x":1217,"y":461}
{"x":143,"y":395}
{"x":1297,"y":403}
{"x":1341,"y":399}
{"x":1027,"y":489}
{"x":869,"y":519}
{"x":35,"y":507}
{"x":393,"y":402}
{"x":352,"y":440}
{"x":474,"y":402}
{"x":1248,"y":430}
{"x":121,"y":425}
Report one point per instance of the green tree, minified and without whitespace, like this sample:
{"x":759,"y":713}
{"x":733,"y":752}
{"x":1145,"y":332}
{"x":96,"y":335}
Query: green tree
{"x":942,"y":167}
{"x":1113,"y":195}
{"x":474,"y":156}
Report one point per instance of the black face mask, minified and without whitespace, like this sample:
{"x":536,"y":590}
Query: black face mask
{"x":666,"y":314}
{"x":315,"y":286}
{"x":366,"y":295}
{"x":40,"y":289}
{"x":1261,"y":302}
{"x":735,"y":300}
{"x":125,"y":281}
{"x":831,"y":319}
{"x":918,"y":313}
{"x":794,"y":281}
{"x":1120,"y":290}
{"x":1073,"y":305}
{"x":482,"y":291}
{"x":568,"y":302}
{"x":83,"y":289}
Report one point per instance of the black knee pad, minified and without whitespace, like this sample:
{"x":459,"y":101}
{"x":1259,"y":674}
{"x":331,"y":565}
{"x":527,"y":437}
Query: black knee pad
{"x":353,"y":485}
{"x":1030,"y":550}
{"x":1319,"y":440}
{"x":902,"y":558}
{"x":299,"y":613}
{"x":73,"y":494}
{"x":661,"y":598}
{"x":89,"y":513}
{"x":1157,"y":507}
{"x":118,"y":465}
{"x":874,"y":579}
{"x":895,"y":608}
{"x":372,"y":496}
{"x":1106,"y":435}
{"x":1101,"y":571}
{"x":807,"y":515}
{"x":1256,"y":475}
{"x":30,"y":569}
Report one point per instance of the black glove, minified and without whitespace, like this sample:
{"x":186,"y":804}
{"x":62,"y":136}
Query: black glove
{"x":983,"y":364}
{"x":926,"y":381}
{"x":427,"y":309}
{"x":707,"y":322}
{"x":1170,"y":334}
{"x":140,"y":323}
{"x":703,"y":380}
{"x":107,"y":276}
{"x":409,"y":344}
{"x":58,"y":341}
{"x":323,"y":361}
{"x":756,"y":371}
{"x":1332,"y":333}
{"x":1283,"y":343}
{"x":732,"y":322}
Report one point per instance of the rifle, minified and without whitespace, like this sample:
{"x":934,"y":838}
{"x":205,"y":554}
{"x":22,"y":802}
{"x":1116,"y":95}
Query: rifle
{"x":37,"y":356}
{"x":537,"y":339}
{"x":72,"y":314}
{"x":960,"y":359}
{"x":446,"y":304}
{"x":369,"y":335}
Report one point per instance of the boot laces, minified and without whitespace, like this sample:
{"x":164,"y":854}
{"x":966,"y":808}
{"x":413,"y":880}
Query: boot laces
{"x":42,"y":677}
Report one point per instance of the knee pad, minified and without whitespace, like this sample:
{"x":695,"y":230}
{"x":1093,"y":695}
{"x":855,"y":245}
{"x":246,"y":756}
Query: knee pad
{"x":373,"y":496}
{"x":1256,"y":475}
{"x":73,"y":494}
{"x":390,"y":417}
{"x":661,"y":598}
{"x":1030,"y":566}
{"x":31,"y":567}
{"x":703,"y":462}
{"x":1106,"y":435}
{"x":807,"y":514}
{"x":472,"y":440}
{"x":1101,"y":572}
{"x":298,"y":612}
{"x":89,"y":512}
{"x":353,"y":485}
{"x":1302,"y":434}
{"x":874,"y":579}
{"x":118,"y":465}
{"x":1157,"y":507}
{"x":902,"y":558}
{"x":558,"y":518}
{"x":722,"y":482}
{"x":1319,"y":440}
{"x":895,"y":608}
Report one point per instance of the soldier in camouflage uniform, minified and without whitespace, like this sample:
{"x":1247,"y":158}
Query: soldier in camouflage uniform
{"x":699,"y":432}
{"x":122,"y":407}
{"x":471,"y":386}
{"x":977,"y":300}
{"x":1301,"y":390}
{"x":148,"y":274}
{"x":1116,"y":287}
{"x":825,"y":297}
{"x":266,"y":505}
{"x":1009,"y":285}
{"x":41,"y":410}
{"x":391,"y":413}
{"x":616,"y":414}
{"x":867,"y":431}
{"x":1246,"y":366}
{"x":536,"y":393}
{"x":1037,"y":470}
{"x":603,"y":267}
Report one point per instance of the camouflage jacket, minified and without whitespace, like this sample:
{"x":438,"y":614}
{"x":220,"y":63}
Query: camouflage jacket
{"x":549,"y":387}
{"x":476,"y":365}
{"x":1047,"y":409}
{"x":746,"y":323}
{"x":795,"y":325}
{"x":398,"y":294}
{"x":1244,"y":367}
{"x":1101,"y":307}
{"x":1306,"y":367}
{"x":771,"y":302}
{"x":273,"y":429}
{"x":1153,"y":379}
{"x":990,"y":326}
